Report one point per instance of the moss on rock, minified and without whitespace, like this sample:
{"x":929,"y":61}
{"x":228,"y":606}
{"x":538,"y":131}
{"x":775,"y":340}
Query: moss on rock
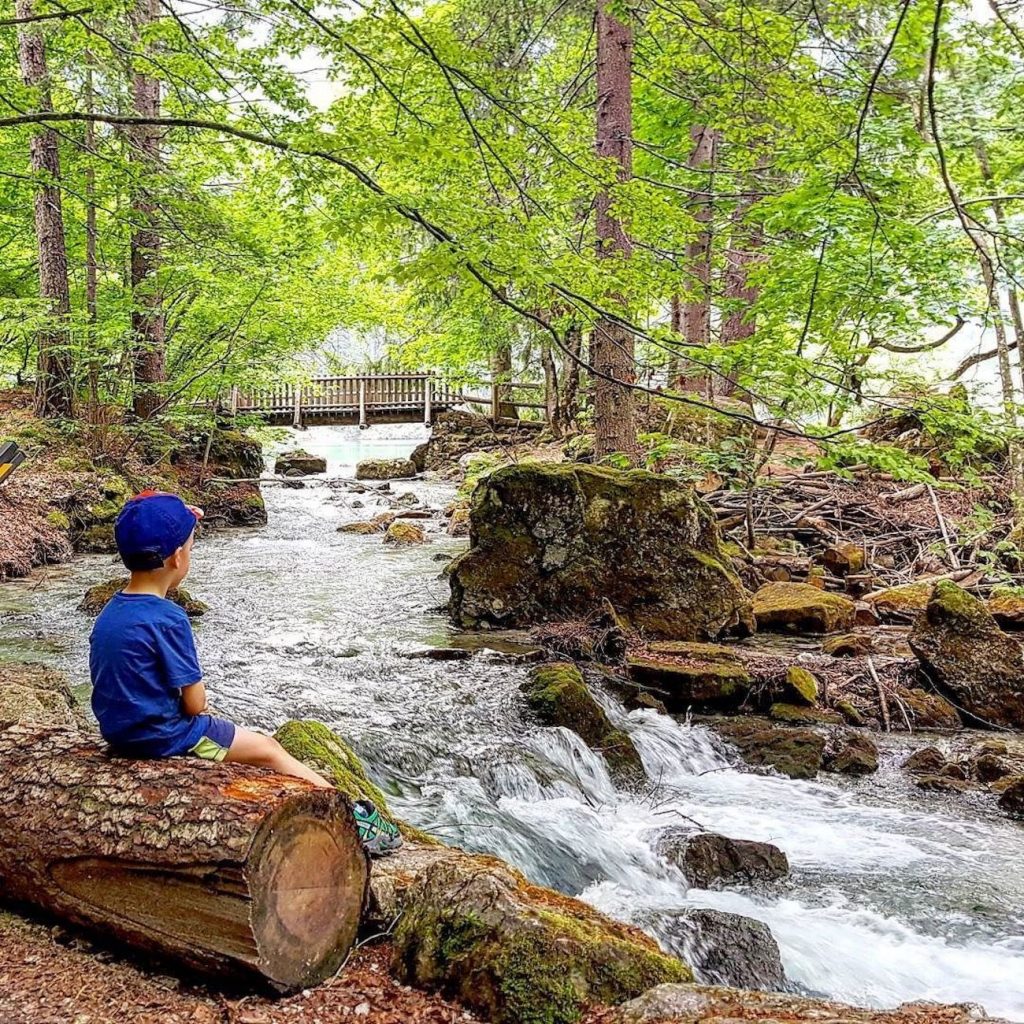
{"x":903,"y":603}
{"x":558,"y":695}
{"x":799,"y":715}
{"x":793,"y":752}
{"x":403,"y":534}
{"x":701,"y":677}
{"x":801,"y":608}
{"x":385,"y":469}
{"x":801,"y":686}
{"x":552,"y":542}
{"x":96,"y":598}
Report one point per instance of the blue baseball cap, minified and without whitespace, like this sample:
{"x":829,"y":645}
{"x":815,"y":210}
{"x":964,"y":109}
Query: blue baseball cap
{"x":151,"y":527}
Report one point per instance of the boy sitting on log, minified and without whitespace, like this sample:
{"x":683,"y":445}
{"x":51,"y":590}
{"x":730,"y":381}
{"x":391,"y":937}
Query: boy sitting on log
{"x":148,"y":695}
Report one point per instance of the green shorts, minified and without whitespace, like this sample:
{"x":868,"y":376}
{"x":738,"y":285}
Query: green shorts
{"x":216,"y":740}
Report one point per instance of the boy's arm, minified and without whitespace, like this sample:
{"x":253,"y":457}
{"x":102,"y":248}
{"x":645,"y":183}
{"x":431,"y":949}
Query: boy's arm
{"x":193,"y":699}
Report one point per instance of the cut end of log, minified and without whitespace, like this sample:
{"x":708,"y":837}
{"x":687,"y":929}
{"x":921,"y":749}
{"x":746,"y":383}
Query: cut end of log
{"x":309,"y":883}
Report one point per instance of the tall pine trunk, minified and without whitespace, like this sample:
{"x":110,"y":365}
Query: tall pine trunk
{"x":738,"y":324}
{"x":148,"y":325}
{"x":91,"y":272}
{"x":611,"y":343}
{"x":54,"y":393}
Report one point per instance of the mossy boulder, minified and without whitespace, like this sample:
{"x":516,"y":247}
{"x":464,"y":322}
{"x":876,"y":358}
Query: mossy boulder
{"x":801,"y":608}
{"x":927,"y":710}
{"x":231,"y":453}
{"x":476,"y":931}
{"x":96,"y":598}
{"x":1007,"y":608}
{"x":692,"y":676}
{"x":385,"y":469}
{"x":299,"y":463}
{"x":558,"y":696}
{"x":848,"y":645}
{"x":903,"y":603}
{"x":403,"y":534}
{"x":799,"y":714}
{"x":793,"y":752}
{"x":801,"y":687}
{"x":551,"y":542}
{"x":850,"y":753}
{"x":970,"y":659}
{"x":35,"y":695}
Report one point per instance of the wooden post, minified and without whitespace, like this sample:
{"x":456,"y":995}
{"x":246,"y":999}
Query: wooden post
{"x":234,"y":400}
{"x":428,"y":400}
{"x":362,"y":404}
{"x":297,"y":416}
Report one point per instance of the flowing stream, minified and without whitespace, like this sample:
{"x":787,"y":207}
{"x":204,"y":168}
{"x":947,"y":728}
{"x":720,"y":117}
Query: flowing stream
{"x":895,"y":894}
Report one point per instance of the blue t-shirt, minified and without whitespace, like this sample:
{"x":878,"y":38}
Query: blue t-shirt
{"x":141,"y":653}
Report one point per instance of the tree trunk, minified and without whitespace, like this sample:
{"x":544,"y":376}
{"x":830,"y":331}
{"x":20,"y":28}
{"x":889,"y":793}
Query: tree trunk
{"x":569,"y":401}
{"x":696,"y":314}
{"x":551,"y":393}
{"x":611,"y":343}
{"x":738,"y":324}
{"x":54,"y":395}
{"x":232,"y":870}
{"x":501,"y":376}
{"x":148,"y":327}
{"x":91,"y":273}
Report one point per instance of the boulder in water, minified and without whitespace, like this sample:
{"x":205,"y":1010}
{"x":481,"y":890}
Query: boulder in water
{"x":558,"y":695}
{"x":385,"y":469}
{"x":793,"y":752}
{"x":799,"y":714}
{"x":970,"y":659}
{"x":404,"y":533}
{"x":928,"y":710}
{"x":299,"y":463}
{"x":724,"y":949}
{"x":710,"y":860}
{"x":551,"y":542}
{"x":685,"y":676}
{"x":801,"y":608}
{"x":850,"y":753}
{"x":1012,"y":798}
{"x":96,"y":598}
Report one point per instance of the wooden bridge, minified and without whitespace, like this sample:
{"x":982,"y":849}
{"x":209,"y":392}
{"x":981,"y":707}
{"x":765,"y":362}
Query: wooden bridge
{"x":371,"y":398}
{"x":362,"y":400}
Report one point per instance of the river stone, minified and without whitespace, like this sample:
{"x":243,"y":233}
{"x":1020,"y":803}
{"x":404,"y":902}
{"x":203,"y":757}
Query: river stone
{"x":801,"y":686}
{"x":793,"y":752}
{"x":96,"y":598}
{"x":903,"y":603}
{"x":797,"y":714}
{"x":850,"y":753}
{"x":551,"y":542}
{"x":724,"y":949}
{"x":685,"y":676}
{"x":970,"y":659}
{"x":801,"y":608}
{"x":558,"y":696}
{"x":299,"y":463}
{"x":385,"y":469}
{"x":691,"y":1004}
{"x":928,"y":710}
{"x":404,"y":533}
{"x":848,"y":645}
{"x":1012,"y":799}
{"x":710,"y":860}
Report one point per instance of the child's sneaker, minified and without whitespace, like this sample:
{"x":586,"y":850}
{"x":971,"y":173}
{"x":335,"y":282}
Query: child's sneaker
{"x":378,"y":836}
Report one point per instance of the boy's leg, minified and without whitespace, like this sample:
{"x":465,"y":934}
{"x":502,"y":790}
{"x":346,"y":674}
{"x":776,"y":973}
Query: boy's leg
{"x":254,"y":748}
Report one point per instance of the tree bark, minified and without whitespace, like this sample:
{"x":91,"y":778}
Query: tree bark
{"x":569,"y":402}
{"x":54,"y":393}
{"x":501,"y":375}
{"x":233,"y":870}
{"x":91,"y":272}
{"x":611,"y":343}
{"x":696,"y":313}
{"x":552,"y":396}
{"x":148,"y":326}
{"x":738,"y":324}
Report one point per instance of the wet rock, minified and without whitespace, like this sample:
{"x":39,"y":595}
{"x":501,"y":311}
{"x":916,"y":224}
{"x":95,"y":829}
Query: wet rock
{"x":928,"y":710}
{"x":843,"y":558}
{"x":793,"y":752}
{"x":553,"y":542}
{"x":458,"y":522}
{"x":415,"y":513}
{"x":927,"y":761}
{"x":941,"y":784}
{"x":850,"y":753}
{"x":406,"y":499}
{"x":404,"y":533}
{"x":299,"y":463}
{"x":35,"y":695}
{"x":419,"y":456}
{"x":903,"y":603}
{"x":442,"y":556}
{"x":292,"y":485}
{"x":1012,"y":799}
{"x":96,"y":598}
{"x":849,"y":645}
{"x":710,"y":860}
{"x":439,"y":654}
{"x":970,"y":659}
{"x":801,"y":687}
{"x":642,"y":700}
{"x":378,"y":524}
{"x":704,"y":677}
{"x":852,"y":715}
{"x":691,"y":1004}
{"x":385,"y":469}
{"x":800,"y":715}
{"x":724,"y":949}
{"x":801,"y":608}
{"x":558,"y":696}
{"x":474,"y":929}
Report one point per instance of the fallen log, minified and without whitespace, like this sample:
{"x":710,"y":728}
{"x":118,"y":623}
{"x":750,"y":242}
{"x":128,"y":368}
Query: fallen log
{"x":233,"y":870}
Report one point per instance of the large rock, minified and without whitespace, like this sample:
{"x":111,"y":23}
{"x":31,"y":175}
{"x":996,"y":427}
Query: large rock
{"x":403,"y":534}
{"x":903,"y":603}
{"x":970,"y":659}
{"x":710,"y":860}
{"x":552,"y":542}
{"x":801,"y":608}
{"x":793,"y":752}
{"x":385,"y":469}
{"x":35,"y":695}
{"x":692,"y":1004}
{"x":927,"y":710}
{"x":725,"y":949}
{"x":299,"y":463}
{"x":96,"y":598}
{"x":850,"y":753}
{"x":1012,"y":799}
{"x":692,"y":676}
{"x":558,"y":696}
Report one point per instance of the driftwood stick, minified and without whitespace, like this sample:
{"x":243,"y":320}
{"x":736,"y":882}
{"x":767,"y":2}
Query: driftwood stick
{"x":881,"y":694}
{"x":953,"y":560}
